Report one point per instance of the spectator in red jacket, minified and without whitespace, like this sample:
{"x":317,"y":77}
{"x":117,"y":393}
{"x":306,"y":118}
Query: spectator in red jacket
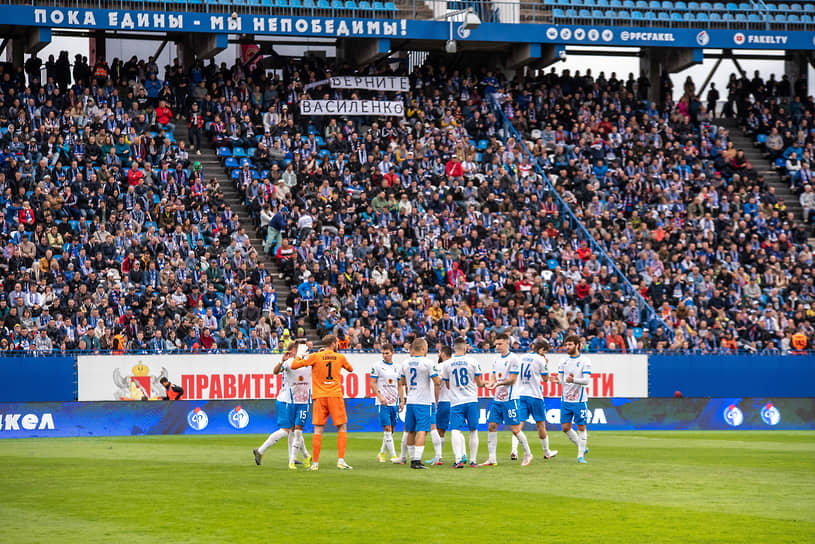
{"x":164,"y":116}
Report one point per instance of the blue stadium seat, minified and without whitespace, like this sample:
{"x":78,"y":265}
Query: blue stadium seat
{"x":267,"y":3}
{"x":557,"y":13}
{"x":238,"y":152}
{"x":623,"y":14}
{"x":584,"y":14}
{"x":628,"y":4}
{"x":727,"y":16}
{"x":689,"y":16}
{"x":224,"y":151}
{"x":246,"y":160}
{"x":350,"y":4}
{"x":754,"y":18}
{"x":295,"y":4}
{"x":663,"y":16}
{"x":675,"y":16}
{"x":281,"y":4}
{"x":571,"y":13}
{"x":667,"y":5}
{"x":231,"y":163}
{"x":783,"y":7}
{"x":806,"y":18}
{"x":780,"y":18}
{"x":745,"y":7}
{"x":740,"y":17}
{"x":253,"y":3}
{"x":718,"y":6}
{"x":336,"y":4}
{"x":650,"y":15}
{"x":636,"y":15}
{"x":680,"y":6}
{"x":601,"y":3}
{"x":597,"y":14}
{"x":564,"y":2}
{"x":377,"y":6}
{"x":705,"y":6}
{"x":611,"y":14}
{"x":792,"y":18}
{"x":309,"y":4}
{"x":641,"y":4}
{"x":654,"y":4}
{"x":796,"y":7}
{"x":809,"y":7}
{"x":364,"y":4}
{"x":616,"y":3}
{"x":732,"y":7}
{"x":702,"y":16}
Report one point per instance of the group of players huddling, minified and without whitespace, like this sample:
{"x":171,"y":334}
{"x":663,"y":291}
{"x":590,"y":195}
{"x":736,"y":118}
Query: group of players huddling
{"x":436,"y":397}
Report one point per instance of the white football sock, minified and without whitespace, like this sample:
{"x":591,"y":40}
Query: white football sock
{"x":388,"y":444}
{"x":441,"y":446}
{"x":291,"y":442}
{"x":571,"y":435}
{"x":437,"y":443}
{"x":402,"y":453}
{"x":457,"y":441}
{"x":473,"y":446}
{"x":273,"y":438}
{"x":582,"y":438}
{"x":411,"y":450}
{"x":383,"y":448}
{"x":418,"y":451}
{"x":524,"y":443}
{"x":545,"y":445}
{"x":514,"y":445}
{"x":300,"y":444}
{"x":492,"y":444}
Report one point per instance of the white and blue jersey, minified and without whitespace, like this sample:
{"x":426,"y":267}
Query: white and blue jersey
{"x":295,"y":392}
{"x":532,"y":371}
{"x":504,"y":406}
{"x":387,"y":383}
{"x":459,"y":374}
{"x":574,"y":397}
{"x":418,"y":373}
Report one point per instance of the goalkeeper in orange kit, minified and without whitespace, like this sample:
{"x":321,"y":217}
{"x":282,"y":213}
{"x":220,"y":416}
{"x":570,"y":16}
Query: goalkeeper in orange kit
{"x":326,"y":392}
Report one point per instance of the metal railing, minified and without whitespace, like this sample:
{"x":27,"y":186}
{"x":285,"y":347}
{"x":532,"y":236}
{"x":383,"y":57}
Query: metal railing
{"x":653,"y":320}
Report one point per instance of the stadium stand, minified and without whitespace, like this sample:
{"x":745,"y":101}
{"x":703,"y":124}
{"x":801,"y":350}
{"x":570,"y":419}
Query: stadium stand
{"x":118,"y":236}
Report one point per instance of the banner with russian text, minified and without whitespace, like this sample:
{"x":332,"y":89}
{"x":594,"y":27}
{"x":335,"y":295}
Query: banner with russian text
{"x":249,"y":376}
{"x":371,"y":83}
{"x":352,"y":107}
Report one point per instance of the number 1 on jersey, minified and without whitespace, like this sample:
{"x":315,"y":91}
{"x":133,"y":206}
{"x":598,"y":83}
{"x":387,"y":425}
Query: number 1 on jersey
{"x":329,"y":377}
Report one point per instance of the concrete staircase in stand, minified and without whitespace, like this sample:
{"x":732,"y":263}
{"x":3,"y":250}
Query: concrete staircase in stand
{"x":212,"y":167}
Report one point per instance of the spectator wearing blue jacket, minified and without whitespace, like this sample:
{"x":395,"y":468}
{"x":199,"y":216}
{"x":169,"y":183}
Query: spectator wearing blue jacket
{"x":153,"y":87}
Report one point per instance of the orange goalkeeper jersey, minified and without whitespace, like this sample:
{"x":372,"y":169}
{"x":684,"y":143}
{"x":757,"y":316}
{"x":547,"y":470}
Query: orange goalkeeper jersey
{"x":326,"y":372}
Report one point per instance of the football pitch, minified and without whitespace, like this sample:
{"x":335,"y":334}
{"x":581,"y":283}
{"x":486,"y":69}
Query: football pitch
{"x":637,"y":487}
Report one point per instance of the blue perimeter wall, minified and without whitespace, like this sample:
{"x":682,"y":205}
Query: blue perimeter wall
{"x":117,"y":418}
{"x":54,"y":379}
{"x":731,"y":375}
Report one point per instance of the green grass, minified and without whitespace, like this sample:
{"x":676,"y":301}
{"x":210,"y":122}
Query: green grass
{"x":638,"y":487}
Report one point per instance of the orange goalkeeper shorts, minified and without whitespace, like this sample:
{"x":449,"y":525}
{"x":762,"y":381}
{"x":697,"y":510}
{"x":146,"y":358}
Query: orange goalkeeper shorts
{"x":329,"y":406}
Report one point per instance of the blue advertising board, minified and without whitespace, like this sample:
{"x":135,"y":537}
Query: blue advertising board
{"x":25,"y":420}
{"x":347,"y":27}
{"x":731,"y":375}
{"x":37,"y":379}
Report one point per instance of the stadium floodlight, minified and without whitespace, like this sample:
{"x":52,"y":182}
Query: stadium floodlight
{"x":470,"y":22}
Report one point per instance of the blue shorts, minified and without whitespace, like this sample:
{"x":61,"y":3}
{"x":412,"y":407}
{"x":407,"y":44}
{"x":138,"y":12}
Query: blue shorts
{"x":530,"y":406}
{"x":291,"y":415}
{"x":388,"y":415}
{"x":284,"y":420}
{"x":299,"y":414}
{"x":504,"y":413}
{"x":577,"y":411}
{"x":443,"y":416}
{"x":417,"y":418}
{"x":465,"y":415}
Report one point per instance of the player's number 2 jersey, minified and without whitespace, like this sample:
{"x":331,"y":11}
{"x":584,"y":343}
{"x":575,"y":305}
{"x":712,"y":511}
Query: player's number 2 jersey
{"x":418,"y":373}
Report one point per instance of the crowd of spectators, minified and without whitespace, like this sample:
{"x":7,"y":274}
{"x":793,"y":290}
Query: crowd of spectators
{"x":437,"y":224}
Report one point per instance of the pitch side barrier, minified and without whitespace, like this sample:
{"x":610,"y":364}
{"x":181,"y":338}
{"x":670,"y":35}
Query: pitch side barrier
{"x":234,"y":376}
{"x":85,"y":419}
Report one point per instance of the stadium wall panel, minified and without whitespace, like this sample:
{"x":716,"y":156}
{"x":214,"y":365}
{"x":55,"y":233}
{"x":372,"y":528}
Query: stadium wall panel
{"x":37,"y":379}
{"x":86,"y":419}
{"x":731,"y":375}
